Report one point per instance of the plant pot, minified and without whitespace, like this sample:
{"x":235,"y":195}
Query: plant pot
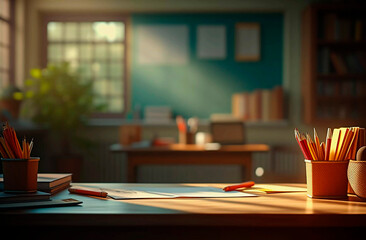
{"x":357,"y":177}
{"x":20,"y":175}
{"x":326,"y":179}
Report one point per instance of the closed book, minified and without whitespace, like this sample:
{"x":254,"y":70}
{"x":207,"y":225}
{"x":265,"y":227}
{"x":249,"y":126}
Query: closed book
{"x":47,"y":181}
{"x":266,"y":104}
{"x":277,"y":104}
{"x":338,"y":63}
{"x":23,"y":197}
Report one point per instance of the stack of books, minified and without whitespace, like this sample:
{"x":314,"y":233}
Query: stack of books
{"x":259,"y":105}
{"x":158,"y":114}
{"x":49,"y":182}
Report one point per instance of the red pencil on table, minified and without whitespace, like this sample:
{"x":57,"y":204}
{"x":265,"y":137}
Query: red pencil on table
{"x":88,"y":191}
{"x":237,"y":186}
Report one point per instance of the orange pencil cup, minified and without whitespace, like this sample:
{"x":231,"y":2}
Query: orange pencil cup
{"x":326,"y":179}
{"x":20,"y":175}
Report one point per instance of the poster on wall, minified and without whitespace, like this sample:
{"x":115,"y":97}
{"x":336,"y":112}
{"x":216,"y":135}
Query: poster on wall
{"x":162,"y":44}
{"x":211,"y":41}
{"x":247,"y":42}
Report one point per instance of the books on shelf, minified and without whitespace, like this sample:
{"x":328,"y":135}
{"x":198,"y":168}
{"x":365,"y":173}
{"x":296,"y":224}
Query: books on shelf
{"x":158,"y":114}
{"x":259,"y":105}
{"x":49,"y":182}
{"x":339,"y":28}
{"x":341,"y":63}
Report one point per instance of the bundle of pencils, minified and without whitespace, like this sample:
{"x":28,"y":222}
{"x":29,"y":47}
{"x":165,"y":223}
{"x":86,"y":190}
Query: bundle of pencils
{"x":339,"y":145}
{"x":10,"y":147}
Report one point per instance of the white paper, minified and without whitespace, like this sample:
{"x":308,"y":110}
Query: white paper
{"x":162,"y":44}
{"x":211,"y":42}
{"x":174,"y":192}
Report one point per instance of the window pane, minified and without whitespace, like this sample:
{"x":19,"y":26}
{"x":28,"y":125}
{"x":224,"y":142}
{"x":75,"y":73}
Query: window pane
{"x":116,"y":69}
{"x":100,"y":69}
{"x":5,"y":9}
{"x":115,"y":87}
{"x":5,"y":79}
{"x":100,"y":100}
{"x":86,"y":31}
{"x":115,"y":105}
{"x":101,"y":51}
{"x":55,"y":52}
{"x":86,"y":70}
{"x":108,"y":31}
{"x":5,"y":58}
{"x":5,"y":31}
{"x":86,"y":51}
{"x":101,"y":87}
{"x":116,"y":51}
{"x":71,"y":52}
{"x":54,"y":31}
{"x":71,"y":31}
{"x":120,"y":31}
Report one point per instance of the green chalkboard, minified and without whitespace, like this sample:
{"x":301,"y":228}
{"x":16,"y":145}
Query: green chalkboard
{"x":201,"y":87}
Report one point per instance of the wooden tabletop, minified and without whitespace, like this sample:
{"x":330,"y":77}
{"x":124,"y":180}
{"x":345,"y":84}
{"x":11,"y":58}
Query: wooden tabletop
{"x":266,"y":210}
{"x":192,"y":148}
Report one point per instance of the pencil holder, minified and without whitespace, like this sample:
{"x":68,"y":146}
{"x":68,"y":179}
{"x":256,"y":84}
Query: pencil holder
{"x":20,"y":175}
{"x":357,"y":177}
{"x":186,"y":138}
{"x":326,"y":179}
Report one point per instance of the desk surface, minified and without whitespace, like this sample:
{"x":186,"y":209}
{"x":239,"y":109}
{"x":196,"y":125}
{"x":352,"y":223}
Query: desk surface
{"x":192,"y":148}
{"x":266,"y":210}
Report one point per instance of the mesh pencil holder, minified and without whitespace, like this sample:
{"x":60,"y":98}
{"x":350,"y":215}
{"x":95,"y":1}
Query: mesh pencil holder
{"x":357,"y":177}
{"x":326,"y":179}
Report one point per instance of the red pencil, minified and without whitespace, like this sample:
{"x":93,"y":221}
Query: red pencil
{"x":88,"y":191}
{"x":328,"y":143}
{"x":237,"y":186}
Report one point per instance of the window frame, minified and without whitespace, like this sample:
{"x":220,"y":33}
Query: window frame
{"x":92,"y":17}
{"x":11,"y":46}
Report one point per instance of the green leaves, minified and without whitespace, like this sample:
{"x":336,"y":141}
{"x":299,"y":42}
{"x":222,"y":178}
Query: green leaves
{"x":57,"y":97}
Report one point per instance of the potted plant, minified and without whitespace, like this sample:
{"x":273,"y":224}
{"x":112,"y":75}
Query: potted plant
{"x":59,"y":99}
{"x":10,"y":102}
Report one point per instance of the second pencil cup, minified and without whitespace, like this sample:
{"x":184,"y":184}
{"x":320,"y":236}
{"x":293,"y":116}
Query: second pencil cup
{"x":326,"y":179}
{"x":20,"y":175}
{"x":186,"y":137}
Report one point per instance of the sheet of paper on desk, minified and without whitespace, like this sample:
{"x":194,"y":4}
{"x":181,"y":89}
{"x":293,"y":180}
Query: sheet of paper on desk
{"x":200,"y":192}
{"x":121,"y":194}
{"x":274,"y":189}
{"x":174,"y":192}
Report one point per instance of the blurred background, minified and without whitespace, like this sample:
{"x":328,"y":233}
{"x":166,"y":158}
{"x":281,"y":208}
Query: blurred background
{"x":77,"y":76}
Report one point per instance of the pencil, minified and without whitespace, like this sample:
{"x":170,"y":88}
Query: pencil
{"x":328,"y":142}
{"x":311,"y":147}
{"x":317,"y":144}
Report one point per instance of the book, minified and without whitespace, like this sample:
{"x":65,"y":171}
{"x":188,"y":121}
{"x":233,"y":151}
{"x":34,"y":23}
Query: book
{"x":266,"y":104}
{"x":240,"y":105}
{"x":338,"y":63}
{"x":277,"y":101}
{"x":48,"y":182}
{"x":23,"y":197}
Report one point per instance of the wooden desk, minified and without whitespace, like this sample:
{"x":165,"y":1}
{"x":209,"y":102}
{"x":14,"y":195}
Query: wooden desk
{"x":268,"y":216}
{"x":189,"y":154}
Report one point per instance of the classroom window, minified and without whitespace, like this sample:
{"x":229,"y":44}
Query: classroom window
{"x":6,"y":43}
{"x":98,"y":50}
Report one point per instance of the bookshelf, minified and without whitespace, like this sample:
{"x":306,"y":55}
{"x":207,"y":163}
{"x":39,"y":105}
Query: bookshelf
{"x":334,"y":64}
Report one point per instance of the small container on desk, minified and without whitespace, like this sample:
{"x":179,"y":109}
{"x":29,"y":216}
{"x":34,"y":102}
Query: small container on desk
{"x":20,"y":175}
{"x":186,"y":137}
{"x":326,"y":179}
{"x":357,"y":177}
